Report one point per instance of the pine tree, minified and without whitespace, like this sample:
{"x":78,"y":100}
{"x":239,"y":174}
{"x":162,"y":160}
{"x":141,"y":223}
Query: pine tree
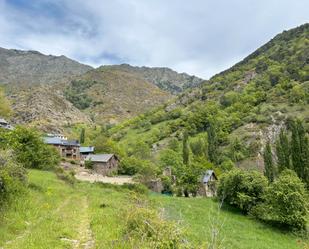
{"x":212,"y":144}
{"x":185,"y":148}
{"x":269,"y":170}
{"x":283,"y":151}
{"x":82,"y":136}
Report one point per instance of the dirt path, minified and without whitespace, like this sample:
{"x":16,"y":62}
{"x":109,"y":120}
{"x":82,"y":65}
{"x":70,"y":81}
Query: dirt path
{"x":85,"y":236}
{"x":119,"y":180}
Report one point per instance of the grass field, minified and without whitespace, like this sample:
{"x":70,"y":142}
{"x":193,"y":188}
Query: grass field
{"x":54,"y":214}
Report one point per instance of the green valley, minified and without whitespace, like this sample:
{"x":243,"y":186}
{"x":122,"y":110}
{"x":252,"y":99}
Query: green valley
{"x":123,"y":156}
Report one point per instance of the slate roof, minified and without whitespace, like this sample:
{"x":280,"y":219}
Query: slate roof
{"x":207,"y":176}
{"x":59,"y":141}
{"x":5,"y":124}
{"x":3,"y":121}
{"x":87,"y":149}
{"x":99,"y":157}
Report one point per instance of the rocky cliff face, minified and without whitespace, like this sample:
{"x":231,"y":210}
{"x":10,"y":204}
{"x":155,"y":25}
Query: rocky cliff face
{"x":163,"y":77}
{"x":31,"y":67}
{"x":45,"y":108}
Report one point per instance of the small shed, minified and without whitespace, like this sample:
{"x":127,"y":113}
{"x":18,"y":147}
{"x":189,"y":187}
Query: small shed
{"x":85,"y":151}
{"x":208,"y":184}
{"x":104,"y":164}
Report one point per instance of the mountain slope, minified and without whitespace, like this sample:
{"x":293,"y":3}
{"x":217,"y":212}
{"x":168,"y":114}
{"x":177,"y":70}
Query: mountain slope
{"x":32,"y":67}
{"x":44,"y":107}
{"x":75,"y":92}
{"x":163,"y":77}
{"x":247,"y":104}
{"x":112,"y":95}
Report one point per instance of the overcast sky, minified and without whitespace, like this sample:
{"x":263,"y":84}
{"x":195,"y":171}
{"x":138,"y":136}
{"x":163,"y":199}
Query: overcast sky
{"x":201,"y":37}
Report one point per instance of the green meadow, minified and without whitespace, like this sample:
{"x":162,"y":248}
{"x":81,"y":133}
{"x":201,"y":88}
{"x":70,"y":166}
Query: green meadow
{"x":54,"y":214}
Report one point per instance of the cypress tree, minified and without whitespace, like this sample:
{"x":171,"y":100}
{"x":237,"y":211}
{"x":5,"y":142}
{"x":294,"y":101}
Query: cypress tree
{"x":269,"y":170}
{"x":212,"y":144}
{"x":82,"y":136}
{"x":296,"y":147}
{"x":300,"y":151}
{"x":185,"y":148}
{"x":306,"y":162}
{"x":283,"y":151}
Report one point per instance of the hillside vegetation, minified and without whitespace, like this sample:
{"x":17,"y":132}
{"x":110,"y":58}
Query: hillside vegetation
{"x":110,"y":95}
{"x":244,"y":106}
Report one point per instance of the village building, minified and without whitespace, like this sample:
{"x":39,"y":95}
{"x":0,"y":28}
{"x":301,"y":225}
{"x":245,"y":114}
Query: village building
{"x":85,"y":151}
{"x":208,"y":184}
{"x":67,"y":148}
{"x":104,"y":164}
{"x":5,"y":125}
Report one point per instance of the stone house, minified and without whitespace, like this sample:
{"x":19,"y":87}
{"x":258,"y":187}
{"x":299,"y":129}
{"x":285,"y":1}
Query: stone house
{"x":85,"y":151}
{"x":67,"y":148}
{"x":104,"y":164}
{"x":208,"y":184}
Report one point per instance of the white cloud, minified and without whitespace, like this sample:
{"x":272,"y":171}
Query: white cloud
{"x":200,"y":37}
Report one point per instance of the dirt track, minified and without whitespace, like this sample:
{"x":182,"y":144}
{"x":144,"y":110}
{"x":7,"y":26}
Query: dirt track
{"x":119,"y":180}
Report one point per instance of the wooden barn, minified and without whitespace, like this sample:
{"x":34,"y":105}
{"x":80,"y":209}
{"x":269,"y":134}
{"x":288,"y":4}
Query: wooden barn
{"x":104,"y":164}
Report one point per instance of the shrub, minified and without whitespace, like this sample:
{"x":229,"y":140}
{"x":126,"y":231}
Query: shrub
{"x":130,"y":165}
{"x":285,"y":202}
{"x":243,"y":189}
{"x":88,"y":164}
{"x":12,"y":178}
{"x":31,"y":151}
{"x":135,"y":187}
{"x":67,"y":176}
{"x":167,"y":185}
{"x":144,"y":228}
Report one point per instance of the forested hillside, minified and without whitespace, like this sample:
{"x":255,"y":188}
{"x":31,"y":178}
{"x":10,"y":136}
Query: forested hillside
{"x":240,"y":108}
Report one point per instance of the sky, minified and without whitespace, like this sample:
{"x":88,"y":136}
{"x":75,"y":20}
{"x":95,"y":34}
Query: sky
{"x":200,"y":37}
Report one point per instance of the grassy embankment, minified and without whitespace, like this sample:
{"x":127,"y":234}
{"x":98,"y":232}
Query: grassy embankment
{"x":56,"y":215}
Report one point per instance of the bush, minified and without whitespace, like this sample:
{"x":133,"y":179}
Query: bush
{"x":88,"y":164}
{"x":129,"y":166}
{"x":67,"y":176}
{"x":12,"y":178}
{"x":144,"y":228}
{"x":167,"y":185}
{"x":31,"y":151}
{"x":135,"y":187}
{"x":285,"y":202}
{"x":243,"y":189}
